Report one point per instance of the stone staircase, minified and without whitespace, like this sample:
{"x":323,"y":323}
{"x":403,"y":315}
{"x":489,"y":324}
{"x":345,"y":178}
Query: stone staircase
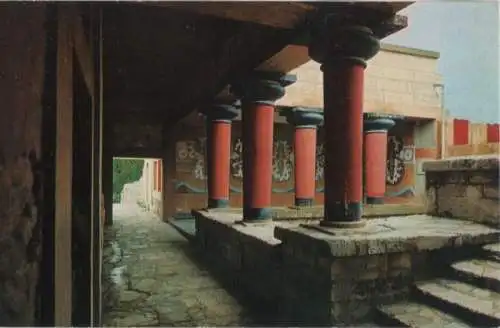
{"x":467,"y":296}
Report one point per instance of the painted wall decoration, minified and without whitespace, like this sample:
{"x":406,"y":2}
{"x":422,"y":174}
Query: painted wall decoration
{"x":193,"y":152}
{"x":400,"y":170}
{"x":237,"y":159}
{"x":398,"y":154}
{"x":282,"y":160}
{"x":283,"y":157}
{"x":320,"y":162}
{"x":191,"y":167}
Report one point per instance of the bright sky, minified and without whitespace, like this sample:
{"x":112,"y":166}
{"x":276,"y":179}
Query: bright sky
{"x":466,"y":33}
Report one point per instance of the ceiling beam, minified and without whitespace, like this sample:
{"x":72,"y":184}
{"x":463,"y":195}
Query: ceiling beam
{"x":274,"y":14}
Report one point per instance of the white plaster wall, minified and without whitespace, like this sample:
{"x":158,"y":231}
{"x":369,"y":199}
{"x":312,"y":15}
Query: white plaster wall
{"x":152,"y":199}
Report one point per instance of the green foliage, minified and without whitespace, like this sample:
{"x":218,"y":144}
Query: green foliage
{"x":125,"y":171}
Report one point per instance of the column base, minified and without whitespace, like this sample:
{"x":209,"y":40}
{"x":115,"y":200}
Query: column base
{"x":256,"y":215}
{"x":218,"y":203}
{"x":343,"y":224}
{"x":304,"y":202}
{"x":374,"y":200}
{"x":344,"y":211}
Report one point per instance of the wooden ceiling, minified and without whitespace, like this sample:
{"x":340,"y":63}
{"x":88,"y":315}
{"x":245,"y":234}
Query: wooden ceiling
{"x":162,"y":60}
{"x":165,"y":62}
{"x":274,"y":14}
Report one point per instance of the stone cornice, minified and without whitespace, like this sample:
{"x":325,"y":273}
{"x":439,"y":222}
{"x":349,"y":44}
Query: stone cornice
{"x":262,"y":87}
{"x":301,"y":117}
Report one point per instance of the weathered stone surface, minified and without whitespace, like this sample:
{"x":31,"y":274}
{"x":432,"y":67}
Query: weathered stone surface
{"x":337,"y":276}
{"x":489,"y":270}
{"x":465,"y":189}
{"x":466,"y":296}
{"x":151,"y":278}
{"x":23,"y":33}
{"x":472,"y":163}
{"x":412,"y":233}
{"x":492,"y":248}
{"x":317,"y":212}
{"x":418,"y":315}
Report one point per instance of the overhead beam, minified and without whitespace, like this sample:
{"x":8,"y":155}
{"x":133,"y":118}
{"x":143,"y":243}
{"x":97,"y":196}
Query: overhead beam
{"x":274,"y":14}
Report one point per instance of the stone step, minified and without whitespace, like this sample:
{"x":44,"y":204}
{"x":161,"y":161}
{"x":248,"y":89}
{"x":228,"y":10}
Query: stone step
{"x":482,"y":272}
{"x":493,"y":249}
{"x":469,"y":302}
{"x":419,"y":315}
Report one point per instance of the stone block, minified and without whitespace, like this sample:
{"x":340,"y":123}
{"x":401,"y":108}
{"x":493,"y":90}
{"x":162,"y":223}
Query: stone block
{"x":317,"y":278}
{"x":465,"y":188}
{"x":491,"y":192}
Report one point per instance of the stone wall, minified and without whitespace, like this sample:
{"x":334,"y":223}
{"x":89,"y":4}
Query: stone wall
{"x":341,"y":290}
{"x":302,"y":274}
{"x":247,"y":262}
{"x":464,"y":188}
{"x":22,"y":45}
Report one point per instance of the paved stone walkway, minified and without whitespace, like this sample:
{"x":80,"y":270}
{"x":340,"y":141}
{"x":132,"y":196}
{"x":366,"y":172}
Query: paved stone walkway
{"x":151,"y":278}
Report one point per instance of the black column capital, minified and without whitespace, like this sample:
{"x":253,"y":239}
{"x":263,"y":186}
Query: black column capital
{"x":300,"y":117}
{"x":333,"y":41}
{"x":220,"y":112}
{"x":262,"y":87}
{"x":377,"y":122}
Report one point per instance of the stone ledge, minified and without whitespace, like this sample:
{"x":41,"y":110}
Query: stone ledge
{"x":316,"y":212}
{"x":308,"y":277}
{"x":396,"y":234}
{"x":472,"y":163}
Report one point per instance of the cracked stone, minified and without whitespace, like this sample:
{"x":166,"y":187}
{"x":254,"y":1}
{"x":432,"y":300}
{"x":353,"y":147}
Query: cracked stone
{"x":157,"y":281}
{"x":130,"y":296}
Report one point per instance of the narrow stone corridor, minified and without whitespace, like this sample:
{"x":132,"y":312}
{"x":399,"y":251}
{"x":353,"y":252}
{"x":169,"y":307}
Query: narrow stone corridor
{"x":151,"y":277}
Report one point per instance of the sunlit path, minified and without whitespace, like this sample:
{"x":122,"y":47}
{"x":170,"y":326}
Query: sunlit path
{"x":150,"y":278}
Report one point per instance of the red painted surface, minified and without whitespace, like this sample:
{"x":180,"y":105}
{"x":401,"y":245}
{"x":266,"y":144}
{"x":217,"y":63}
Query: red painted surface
{"x":305,"y":162}
{"x":155,"y":164}
{"x":493,"y":132}
{"x":460,"y":132}
{"x":220,"y":145}
{"x":257,"y":154}
{"x":343,"y":114}
{"x":375,"y":149}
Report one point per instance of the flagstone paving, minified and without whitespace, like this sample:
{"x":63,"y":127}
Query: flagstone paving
{"x":151,"y":278}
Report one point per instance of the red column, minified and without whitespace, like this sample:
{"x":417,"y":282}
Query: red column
{"x":258,"y":94}
{"x":375,"y":159}
{"x":343,"y":50}
{"x":219,"y":119}
{"x":305,"y":123}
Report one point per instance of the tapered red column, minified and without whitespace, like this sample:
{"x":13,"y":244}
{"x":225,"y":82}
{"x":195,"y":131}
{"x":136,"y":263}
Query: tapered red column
{"x":343,"y":50}
{"x":258,"y":94}
{"x":375,"y":157}
{"x":306,"y":123}
{"x":219,"y":119}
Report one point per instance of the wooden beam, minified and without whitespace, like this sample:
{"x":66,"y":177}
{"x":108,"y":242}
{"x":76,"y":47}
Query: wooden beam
{"x":274,"y":14}
{"x":63,"y":180}
{"x":82,"y":49}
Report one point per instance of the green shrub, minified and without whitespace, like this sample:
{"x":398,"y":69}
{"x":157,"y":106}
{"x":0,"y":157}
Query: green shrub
{"x":125,"y":171}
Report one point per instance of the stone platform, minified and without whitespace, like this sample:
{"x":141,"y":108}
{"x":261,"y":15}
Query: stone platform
{"x":315,"y":277}
{"x":316,"y":212}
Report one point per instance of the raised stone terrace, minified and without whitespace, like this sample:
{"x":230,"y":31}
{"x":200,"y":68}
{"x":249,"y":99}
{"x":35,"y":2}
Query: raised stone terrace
{"x":438,"y":269}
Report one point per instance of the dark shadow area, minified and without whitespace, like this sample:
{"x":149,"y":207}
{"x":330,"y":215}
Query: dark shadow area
{"x":82,"y":202}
